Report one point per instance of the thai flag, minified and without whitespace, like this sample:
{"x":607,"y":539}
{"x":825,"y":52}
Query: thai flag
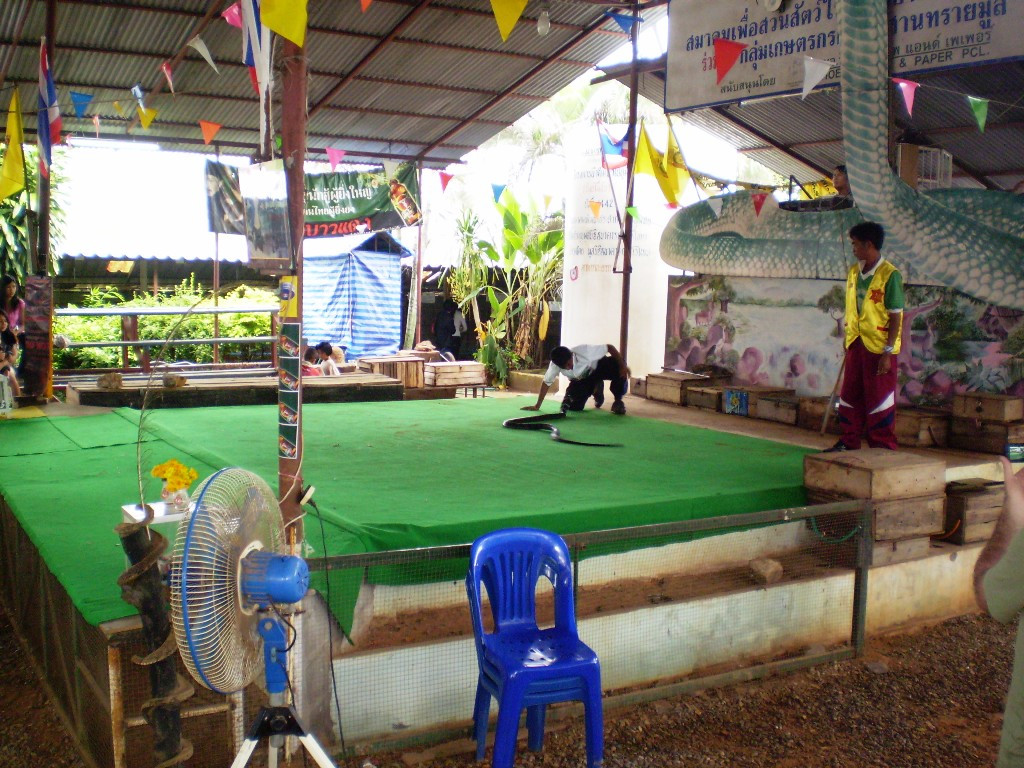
{"x":255,"y":44}
{"x":48,"y":132}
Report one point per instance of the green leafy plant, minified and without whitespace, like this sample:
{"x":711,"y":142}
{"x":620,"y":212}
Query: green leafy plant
{"x":19,"y":220}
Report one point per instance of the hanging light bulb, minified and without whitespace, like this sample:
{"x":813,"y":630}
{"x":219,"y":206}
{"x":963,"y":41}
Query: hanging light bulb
{"x":544,"y":20}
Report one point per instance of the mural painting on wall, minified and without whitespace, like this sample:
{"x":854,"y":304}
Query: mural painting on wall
{"x":788,"y":333}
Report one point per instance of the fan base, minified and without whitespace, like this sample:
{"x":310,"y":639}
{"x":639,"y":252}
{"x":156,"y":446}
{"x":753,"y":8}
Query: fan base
{"x":279,"y":721}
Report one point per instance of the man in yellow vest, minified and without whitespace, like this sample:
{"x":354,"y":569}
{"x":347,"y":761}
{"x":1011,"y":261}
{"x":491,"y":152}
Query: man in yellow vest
{"x":874,"y":321}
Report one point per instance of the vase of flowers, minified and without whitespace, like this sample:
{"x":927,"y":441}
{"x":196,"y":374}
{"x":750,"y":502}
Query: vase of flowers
{"x":176,"y":480}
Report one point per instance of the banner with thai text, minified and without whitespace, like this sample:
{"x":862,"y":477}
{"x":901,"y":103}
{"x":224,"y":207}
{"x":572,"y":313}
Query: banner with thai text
{"x":926,"y":35}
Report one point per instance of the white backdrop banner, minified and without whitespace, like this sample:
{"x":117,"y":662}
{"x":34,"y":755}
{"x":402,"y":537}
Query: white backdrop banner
{"x":927,"y":35}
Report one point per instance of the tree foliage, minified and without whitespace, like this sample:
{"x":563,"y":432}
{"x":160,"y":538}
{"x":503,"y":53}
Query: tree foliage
{"x":19,"y":221}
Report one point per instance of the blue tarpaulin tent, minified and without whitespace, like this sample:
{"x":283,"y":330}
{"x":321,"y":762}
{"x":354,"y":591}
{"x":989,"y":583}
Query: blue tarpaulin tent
{"x":352,"y":293}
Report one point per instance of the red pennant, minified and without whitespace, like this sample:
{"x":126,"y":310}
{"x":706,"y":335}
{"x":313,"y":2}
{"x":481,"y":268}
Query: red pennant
{"x":727,"y":52}
{"x":364,"y":4}
{"x":254,"y":80}
{"x":759,"y":198}
{"x":445,"y":178}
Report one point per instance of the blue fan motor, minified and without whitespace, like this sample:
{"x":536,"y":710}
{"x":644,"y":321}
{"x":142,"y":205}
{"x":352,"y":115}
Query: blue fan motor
{"x":271,"y":578}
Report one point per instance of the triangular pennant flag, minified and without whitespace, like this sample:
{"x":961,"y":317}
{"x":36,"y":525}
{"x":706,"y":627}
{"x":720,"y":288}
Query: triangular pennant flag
{"x":507,"y":13}
{"x":12,"y":174}
{"x":715,"y":203}
{"x":286,"y":17}
{"x":209,"y":130}
{"x":908,"y":88}
{"x":96,"y":124}
{"x":390,"y":168}
{"x":632,"y":211}
{"x":624,"y":20}
{"x":980,"y":109}
{"x":139,"y":94}
{"x":547,"y":202}
{"x":198,"y":44}
{"x":445,"y":178}
{"x":278,"y":141}
{"x":497,"y":189}
{"x":759,"y":198}
{"x":814,"y":72}
{"x":727,"y":52}
{"x":80,"y":101}
{"x":146,"y":116}
{"x":233,"y":15}
{"x":595,"y":207}
{"x":334,"y":156}
{"x":166,"y":69}
{"x":364,"y":4}
{"x":254,"y":79}
{"x":119,"y":109}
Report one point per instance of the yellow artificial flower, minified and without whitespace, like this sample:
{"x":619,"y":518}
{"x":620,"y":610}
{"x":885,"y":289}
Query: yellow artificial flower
{"x":175,"y":474}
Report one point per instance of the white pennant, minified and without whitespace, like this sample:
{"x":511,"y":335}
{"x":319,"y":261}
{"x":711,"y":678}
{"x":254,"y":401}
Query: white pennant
{"x":197,"y":43}
{"x":716,"y":205}
{"x":814,"y":72}
{"x":390,"y":168}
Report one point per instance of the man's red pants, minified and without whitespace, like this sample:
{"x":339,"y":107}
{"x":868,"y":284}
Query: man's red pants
{"x":867,"y":401}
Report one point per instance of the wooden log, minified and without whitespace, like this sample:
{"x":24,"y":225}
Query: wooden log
{"x":988,"y":406}
{"x":875,"y":473}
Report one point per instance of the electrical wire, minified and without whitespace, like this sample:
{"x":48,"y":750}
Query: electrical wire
{"x":853,"y":531}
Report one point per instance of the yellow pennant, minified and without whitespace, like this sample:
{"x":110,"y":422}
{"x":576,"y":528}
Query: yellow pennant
{"x":146,"y":116}
{"x":286,"y":17}
{"x":595,"y":207}
{"x":507,"y":13}
{"x":119,"y":109}
{"x":12,"y":175}
{"x":651,"y":162}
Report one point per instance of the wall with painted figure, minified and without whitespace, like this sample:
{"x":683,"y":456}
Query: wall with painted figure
{"x":788,"y":332}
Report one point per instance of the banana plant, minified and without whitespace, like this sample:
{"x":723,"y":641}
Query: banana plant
{"x":19,"y":222}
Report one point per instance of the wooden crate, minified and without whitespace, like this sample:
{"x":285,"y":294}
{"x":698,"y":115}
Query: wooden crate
{"x":875,"y":473}
{"x":458,"y":374}
{"x":985,"y":436}
{"x":922,"y":427}
{"x":672,"y":386}
{"x":898,"y":518}
{"x":892,"y":552}
{"x":971,"y":511}
{"x":742,"y":400}
{"x":406,"y":368}
{"x":780,"y":408}
{"x":811,"y":410}
{"x":988,"y":406}
{"x":708,"y":398}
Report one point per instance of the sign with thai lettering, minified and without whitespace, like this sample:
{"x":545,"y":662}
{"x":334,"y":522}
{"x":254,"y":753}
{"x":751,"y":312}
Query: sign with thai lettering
{"x":926,"y":35}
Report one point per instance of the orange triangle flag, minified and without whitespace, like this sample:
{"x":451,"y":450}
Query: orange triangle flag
{"x":759,"y":198}
{"x":364,"y":4}
{"x":727,"y":52}
{"x":209,"y":130}
{"x":595,"y":207}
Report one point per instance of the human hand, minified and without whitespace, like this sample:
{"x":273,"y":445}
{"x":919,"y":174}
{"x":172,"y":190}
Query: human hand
{"x":1014,"y":486}
{"x":884,"y":363}
{"x":530,"y":408}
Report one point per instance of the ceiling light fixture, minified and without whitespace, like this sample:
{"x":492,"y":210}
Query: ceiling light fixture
{"x":544,"y":20}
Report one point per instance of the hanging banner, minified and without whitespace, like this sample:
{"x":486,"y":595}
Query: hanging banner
{"x":38,"y":351}
{"x":265,"y":201}
{"x":927,"y":35}
{"x":336,"y":203}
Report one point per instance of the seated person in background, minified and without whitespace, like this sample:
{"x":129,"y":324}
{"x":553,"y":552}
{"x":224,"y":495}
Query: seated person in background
{"x":310,"y":361}
{"x":587,"y":367}
{"x":324,"y":350}
{"x":841,"y":182}
{"x":8,"y":353}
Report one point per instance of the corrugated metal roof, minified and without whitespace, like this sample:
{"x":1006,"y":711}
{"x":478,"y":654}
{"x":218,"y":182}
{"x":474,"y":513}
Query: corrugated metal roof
{"x":416,"y":79}
{"x":804,"y":137}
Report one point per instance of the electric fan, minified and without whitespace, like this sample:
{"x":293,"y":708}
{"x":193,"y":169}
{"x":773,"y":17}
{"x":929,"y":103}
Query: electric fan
{"x":230,"y":572}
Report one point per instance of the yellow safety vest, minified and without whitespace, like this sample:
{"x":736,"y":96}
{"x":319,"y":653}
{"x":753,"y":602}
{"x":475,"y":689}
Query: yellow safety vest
{"x":871,"y":324}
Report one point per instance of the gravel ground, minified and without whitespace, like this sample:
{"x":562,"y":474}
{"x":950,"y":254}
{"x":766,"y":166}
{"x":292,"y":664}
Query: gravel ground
{"x":929,"y":699}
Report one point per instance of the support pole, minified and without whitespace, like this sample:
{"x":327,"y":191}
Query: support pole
{"x":42,"y":254}
{"x":627,"y":230}
{"x":293,"y":147}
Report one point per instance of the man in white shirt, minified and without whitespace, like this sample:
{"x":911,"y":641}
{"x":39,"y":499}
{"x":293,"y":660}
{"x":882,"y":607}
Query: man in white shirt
{"x":588,"y":367}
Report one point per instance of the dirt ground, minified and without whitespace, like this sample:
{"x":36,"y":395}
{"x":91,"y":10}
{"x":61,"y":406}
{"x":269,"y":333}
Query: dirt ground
{"x":929,"y":698}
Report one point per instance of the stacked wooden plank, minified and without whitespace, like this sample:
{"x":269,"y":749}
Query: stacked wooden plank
{"x":741,"y":399}
{"x":922,"y":427}
{"x":462,"y":373}
{"x":672,"y":386}
{"x":988,"y":423}
{"x":908,"y":493}
{"x":972,"y":508}
{"x":408,"y":369}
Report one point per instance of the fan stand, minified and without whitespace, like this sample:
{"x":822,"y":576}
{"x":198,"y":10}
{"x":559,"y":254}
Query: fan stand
{"x":277,"y":721}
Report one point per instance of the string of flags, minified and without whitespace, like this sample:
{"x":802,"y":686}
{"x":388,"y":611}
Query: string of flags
{"x":977,"y":105}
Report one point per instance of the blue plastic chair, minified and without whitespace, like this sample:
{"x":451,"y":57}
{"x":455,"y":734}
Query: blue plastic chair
{"x":523,"y":666}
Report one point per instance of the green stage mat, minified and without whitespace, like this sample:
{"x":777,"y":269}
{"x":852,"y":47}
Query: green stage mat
{"x":388,"y":475}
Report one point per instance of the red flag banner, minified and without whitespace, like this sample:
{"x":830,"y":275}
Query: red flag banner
{"x":759,"y":198}
{"x":727,"y":52}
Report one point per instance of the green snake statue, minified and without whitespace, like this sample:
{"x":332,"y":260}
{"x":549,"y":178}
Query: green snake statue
{"x":970,"y":240}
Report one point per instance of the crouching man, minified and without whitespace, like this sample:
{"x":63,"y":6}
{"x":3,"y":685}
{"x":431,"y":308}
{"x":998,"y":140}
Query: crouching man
{"x":587,"y":367}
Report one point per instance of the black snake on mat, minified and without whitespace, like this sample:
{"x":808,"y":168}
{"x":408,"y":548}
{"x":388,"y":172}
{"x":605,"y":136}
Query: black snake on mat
{"x":540,"y":423}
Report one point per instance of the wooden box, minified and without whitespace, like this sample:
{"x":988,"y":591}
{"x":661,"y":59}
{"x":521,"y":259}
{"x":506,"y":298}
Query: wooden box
{"x":875,"y":473}
{"x":672,"y":386}
{"x":985,"y":436}
{"x":922,"y":427}
{"x":406,"y":368}
{"x":891,"y":552}
{"x":972,"y":511}
{"x":811,"y":411}
{"x":708,"y":398}
{"x":742,"y":400}
{"x":458,"y":374}
{"x":988,"y":407}
{"x":780,"y":408}
{"x":898,"y":518}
